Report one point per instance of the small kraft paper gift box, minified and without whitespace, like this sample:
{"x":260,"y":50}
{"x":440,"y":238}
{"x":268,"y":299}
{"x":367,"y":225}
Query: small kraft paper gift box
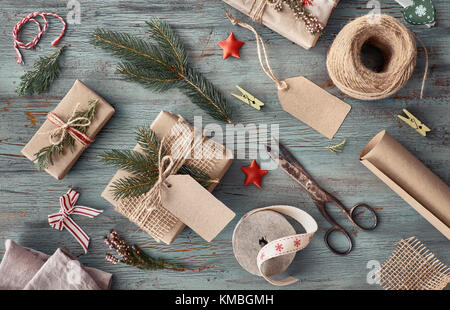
{"x":61,"y":124}
{"x":280,"y":16}
{"x":151,"y":212}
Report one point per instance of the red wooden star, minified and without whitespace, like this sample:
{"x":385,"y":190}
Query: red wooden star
{"x":231,"y":47}
{"x":253,"y":174}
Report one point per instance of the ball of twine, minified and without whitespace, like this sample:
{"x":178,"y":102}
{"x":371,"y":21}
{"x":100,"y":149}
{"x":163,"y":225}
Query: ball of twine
{"x":350,"y":75}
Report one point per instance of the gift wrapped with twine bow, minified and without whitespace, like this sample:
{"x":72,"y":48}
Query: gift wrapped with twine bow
{"x":182,"y":145}
{"x":68,"y":130}
{"x":300,"y":21}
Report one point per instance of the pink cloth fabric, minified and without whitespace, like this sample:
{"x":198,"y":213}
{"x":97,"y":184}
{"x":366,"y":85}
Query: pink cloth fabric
{"x":24,"y":268}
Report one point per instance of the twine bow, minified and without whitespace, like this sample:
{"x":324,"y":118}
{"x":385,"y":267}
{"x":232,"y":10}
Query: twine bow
{"x":57,"y":135}
{"x":62,"y":218}
{"x":153,"y":198}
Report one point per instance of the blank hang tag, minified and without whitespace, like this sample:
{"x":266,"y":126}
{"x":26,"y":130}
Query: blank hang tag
{"x":313,"y":106}
{"x":196,"y":207}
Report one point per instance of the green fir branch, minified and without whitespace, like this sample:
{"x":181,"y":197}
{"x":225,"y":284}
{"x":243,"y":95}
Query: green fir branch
{"x":162,"y":65}
{"x":148,"y":141}
{"x":38,"y":81}
{"x":130,"y":161}
{"x":338,"y":148}
{"x":134,"y":256}
{"x":133,"y":186}
{"x":144,"y":166}
{"x":45,"y":157}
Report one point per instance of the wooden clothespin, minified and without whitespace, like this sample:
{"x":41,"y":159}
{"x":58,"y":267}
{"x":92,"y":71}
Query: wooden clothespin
{"x":249,"y":99}
{"x":414,"y":123}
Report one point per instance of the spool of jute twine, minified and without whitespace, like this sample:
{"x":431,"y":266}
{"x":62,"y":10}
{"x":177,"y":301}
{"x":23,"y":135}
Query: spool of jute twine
{"x":396,"y":43}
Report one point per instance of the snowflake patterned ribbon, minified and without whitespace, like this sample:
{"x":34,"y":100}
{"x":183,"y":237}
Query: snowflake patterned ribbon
{"x":288,"y":244}
{"x":62,"y":219}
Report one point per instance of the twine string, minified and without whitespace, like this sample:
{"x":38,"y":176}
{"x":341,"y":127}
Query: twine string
{"x":57,"y":135}
{"x":397,"y":44}
{"x":426,"y":65}
{"x":41,"y":30}
{"x":258,"y":7}
{"x":260,"y":45}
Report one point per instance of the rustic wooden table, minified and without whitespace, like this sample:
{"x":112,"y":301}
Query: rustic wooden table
{"x":27,"y":196}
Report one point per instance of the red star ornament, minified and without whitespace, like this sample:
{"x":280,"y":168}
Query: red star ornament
{"x":253,"y":174}
{"x":231,"y":47}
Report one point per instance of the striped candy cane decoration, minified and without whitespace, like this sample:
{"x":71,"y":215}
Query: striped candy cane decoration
{"x":41,"y":30}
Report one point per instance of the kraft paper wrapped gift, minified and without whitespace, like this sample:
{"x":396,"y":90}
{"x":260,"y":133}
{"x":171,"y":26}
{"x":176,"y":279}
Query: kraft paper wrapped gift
{"x":410,"y":179}
{"x":79,"y":93}
{"x":284,"y":21}
{"x":162,"y":126}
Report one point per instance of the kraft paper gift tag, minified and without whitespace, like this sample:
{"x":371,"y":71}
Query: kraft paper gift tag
{"x":195,"y":206}
{"x":302,"y":98}
{"x":313,"y":106}
{"x":410,"y":179}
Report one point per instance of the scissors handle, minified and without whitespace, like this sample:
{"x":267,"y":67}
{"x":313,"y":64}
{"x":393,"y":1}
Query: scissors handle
{"x":337,"y":228}
{"x":353,"y":214}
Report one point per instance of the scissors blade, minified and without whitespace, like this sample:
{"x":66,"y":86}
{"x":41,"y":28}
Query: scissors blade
{"x":295,"y":170}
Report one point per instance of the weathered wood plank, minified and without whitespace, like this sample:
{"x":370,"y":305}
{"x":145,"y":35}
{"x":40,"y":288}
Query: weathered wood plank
{"x":27,"y":196}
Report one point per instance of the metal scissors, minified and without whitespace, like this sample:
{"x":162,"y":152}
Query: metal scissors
{"x":292,"y":167}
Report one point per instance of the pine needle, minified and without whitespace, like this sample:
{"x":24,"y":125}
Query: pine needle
{"x":336,"y":148}
{"x":162,"y":65}
{"x":38,"y":81}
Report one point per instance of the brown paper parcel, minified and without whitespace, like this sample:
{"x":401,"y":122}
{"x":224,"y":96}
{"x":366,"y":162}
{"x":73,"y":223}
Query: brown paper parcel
{"x":284,"y":22}
{"x":162,"y":125}
{"x":410,"y":179}
{"x":79,"y":93}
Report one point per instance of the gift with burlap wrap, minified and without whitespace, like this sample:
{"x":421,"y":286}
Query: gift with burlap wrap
{"x":185,"y":146}
{"x":413,"y":267}
{"x":279,"y":16}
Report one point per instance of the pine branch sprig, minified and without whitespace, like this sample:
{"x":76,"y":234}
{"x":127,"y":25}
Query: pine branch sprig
{"x":338,"y":148}
{"x":46,"y":156}
{"x":143,"y":165}
{"x":38,"y":81}
{"x":162,"y":65}
{"x":134,"y":256}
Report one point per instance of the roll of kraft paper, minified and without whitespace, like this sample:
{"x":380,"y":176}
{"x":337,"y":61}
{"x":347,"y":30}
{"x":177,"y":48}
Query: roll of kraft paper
{"x":410,"y":179}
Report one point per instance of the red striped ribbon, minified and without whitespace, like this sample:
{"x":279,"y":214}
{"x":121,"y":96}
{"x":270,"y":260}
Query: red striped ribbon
{"x":41,"y":30}
{"x":62,"y":219}
{"x":66,"y":127}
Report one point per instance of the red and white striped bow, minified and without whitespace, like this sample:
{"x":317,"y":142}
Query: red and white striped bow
{"x":62,"y":218}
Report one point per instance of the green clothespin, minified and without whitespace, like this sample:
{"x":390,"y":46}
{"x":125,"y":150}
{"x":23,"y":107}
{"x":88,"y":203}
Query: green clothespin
{"x":249,"y":99}
{"x":415,"y":123}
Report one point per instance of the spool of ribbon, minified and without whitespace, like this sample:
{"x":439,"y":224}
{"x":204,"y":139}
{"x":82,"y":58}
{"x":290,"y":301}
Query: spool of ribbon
{"x":286,"y":245}
{"x":57,"y":135}
{"x":41,"y":31}
{"x":62,"y":219}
